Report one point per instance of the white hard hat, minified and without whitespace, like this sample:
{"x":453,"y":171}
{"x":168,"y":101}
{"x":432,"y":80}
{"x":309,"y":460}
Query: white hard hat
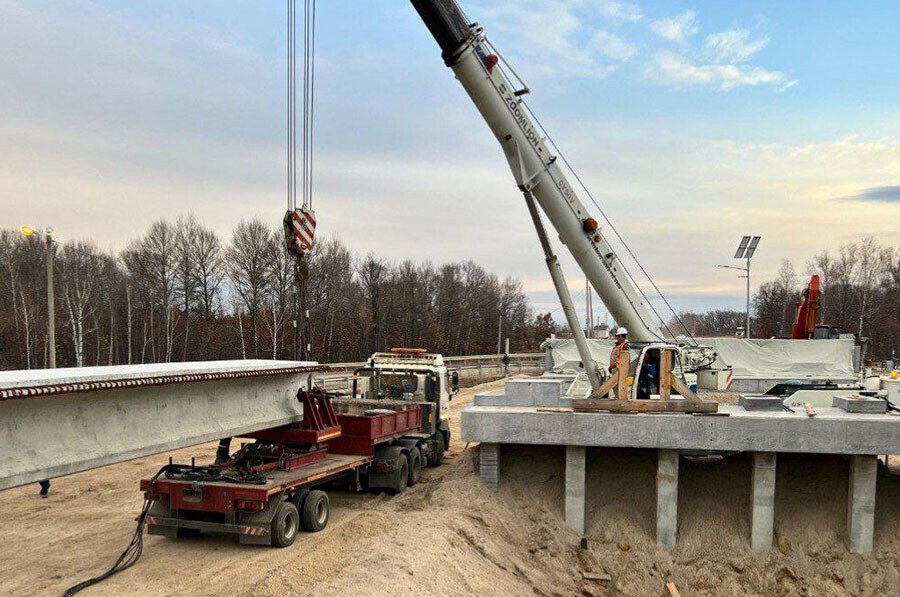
{"x":621,"y":332}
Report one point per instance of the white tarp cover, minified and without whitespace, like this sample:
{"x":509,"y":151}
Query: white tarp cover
{"x":753,"y":358}
{"x":565,"y":354}
{"x":826,"y":359}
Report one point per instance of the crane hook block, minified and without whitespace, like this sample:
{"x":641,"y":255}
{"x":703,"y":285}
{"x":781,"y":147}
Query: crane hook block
{"x":299,"y":231}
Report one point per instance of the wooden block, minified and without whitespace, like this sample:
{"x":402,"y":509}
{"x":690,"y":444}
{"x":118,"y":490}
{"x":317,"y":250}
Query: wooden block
{"x":660,"y":406}
{"x":665,"y":374}
{"x":622,"y":371}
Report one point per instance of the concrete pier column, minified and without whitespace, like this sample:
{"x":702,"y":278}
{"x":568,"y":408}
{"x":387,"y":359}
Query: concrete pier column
{"x":861,"y":503}
{"x":762,"y":502}
{"x":489,"y":465}
{"x":575,"y":468}
{"x":667,"y":499}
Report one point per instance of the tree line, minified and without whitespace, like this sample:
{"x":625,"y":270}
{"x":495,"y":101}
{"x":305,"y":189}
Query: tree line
{"x":860,"y":292}
{"x":181,"y":293}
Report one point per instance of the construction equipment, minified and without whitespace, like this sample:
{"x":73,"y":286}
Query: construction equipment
{"x":805,"y":327}
{"x":270,"y":489}
{"x":479,"y":68}
{"x":416,"y":376}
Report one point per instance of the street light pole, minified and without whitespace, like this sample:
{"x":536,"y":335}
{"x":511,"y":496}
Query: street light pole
{"x":747,"y":327}
{"x":745,"y":250}
{"x":51,"y":310}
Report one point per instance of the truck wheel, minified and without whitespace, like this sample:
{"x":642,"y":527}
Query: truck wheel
{"x":298,"y":498}
{"x":285,"y":524}
{"x":437,"y":450}
{"x":315,"y":511}
{"x":415,"y":465}
{"x":402,"y":479}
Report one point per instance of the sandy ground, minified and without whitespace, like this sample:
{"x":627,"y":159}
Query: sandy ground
{"x":450,"y":536}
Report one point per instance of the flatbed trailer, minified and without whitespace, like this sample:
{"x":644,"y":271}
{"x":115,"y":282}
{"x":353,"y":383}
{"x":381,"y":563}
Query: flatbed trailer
{"x":271,"y":489}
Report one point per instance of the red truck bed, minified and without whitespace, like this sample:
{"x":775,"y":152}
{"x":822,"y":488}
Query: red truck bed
{"x":361,"y":433}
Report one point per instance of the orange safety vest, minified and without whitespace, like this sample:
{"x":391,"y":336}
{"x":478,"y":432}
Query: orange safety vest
{"x":617,"y":353}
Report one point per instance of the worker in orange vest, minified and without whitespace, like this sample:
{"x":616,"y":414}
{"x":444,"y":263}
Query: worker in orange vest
{"x":615,"y":357}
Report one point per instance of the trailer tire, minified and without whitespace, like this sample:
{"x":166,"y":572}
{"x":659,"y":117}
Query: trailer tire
{"x":402,"y":479}
{"x":414,"y":456}
{"x":285,"y":524}
{"x":298,"y":498}
{"x":316,"y":508}
{"x":437,"y":449}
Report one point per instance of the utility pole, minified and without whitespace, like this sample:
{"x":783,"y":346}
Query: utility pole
{"x":587,"y":308}
{"x":51,"y":307}
{"x":51,"y":315}
{"x":745,"y":250}
{"x":499,"y":331}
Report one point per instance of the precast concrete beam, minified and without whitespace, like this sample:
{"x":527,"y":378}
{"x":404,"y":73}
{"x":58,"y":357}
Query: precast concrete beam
{"x":575,"y":474}
{"x":667,"y":499}
{"x":56,"y":422}
{"x":861,"y":503}
{"x":762,"y":503}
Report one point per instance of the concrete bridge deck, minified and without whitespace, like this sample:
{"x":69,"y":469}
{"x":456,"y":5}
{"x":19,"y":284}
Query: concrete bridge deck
{"x":533,"y":412}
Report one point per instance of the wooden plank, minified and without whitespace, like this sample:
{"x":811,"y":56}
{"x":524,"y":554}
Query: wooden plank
{"x":685,"y":391}
{"x":665,"y":374}
{"x":623,"y":369}
{"x":667,"y":406}
{"x":608,"y":385}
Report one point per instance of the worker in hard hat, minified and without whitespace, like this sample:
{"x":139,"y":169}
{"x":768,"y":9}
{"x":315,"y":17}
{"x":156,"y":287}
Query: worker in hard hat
{"x":615,"y":357}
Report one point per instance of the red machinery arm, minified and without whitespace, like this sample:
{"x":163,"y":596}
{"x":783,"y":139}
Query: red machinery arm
{"x":807,"y":311}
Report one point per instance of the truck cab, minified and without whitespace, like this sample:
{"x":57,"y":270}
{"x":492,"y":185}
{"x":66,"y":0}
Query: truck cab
{"x":412,"y":375}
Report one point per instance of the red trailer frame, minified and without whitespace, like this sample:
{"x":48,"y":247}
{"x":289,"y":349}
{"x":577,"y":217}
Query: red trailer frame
{"x":321,"y":449}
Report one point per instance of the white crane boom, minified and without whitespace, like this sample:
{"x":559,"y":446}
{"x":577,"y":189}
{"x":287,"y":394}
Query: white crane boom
{"x":467,"y":52}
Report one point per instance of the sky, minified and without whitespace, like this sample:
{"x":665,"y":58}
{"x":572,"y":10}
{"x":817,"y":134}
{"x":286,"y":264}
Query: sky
{"x":692,"y":123}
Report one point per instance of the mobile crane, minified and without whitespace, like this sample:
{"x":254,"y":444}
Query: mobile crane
{"x":477,"y":66}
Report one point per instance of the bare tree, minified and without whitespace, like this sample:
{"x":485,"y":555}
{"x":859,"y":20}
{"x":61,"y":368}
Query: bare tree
{"x":873,"y":266}
{"x":247,"y":263}
{"x":373,"y":274}
{"x":209,"y":269}
{"x":81,"y":265}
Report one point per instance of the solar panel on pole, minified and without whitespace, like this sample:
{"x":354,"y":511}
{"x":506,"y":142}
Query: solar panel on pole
{"x":742,"y":247}
{"x":751,"y":249}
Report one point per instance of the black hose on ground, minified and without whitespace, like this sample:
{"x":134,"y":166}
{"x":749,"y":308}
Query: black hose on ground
{"x":131,"y":554}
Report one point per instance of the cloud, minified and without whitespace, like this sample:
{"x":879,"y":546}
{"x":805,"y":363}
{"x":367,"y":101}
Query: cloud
{"x":735,"y":45}
{"x":677,"y":28}
{"x":890,"y":194}
{"x":612,"y":46}
{"x":620,"y":12}
{"x":672,"y":69}
{"x":546,"y":33}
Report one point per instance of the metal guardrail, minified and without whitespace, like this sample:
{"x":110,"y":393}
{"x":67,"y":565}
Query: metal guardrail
{"x":340,"y":375}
